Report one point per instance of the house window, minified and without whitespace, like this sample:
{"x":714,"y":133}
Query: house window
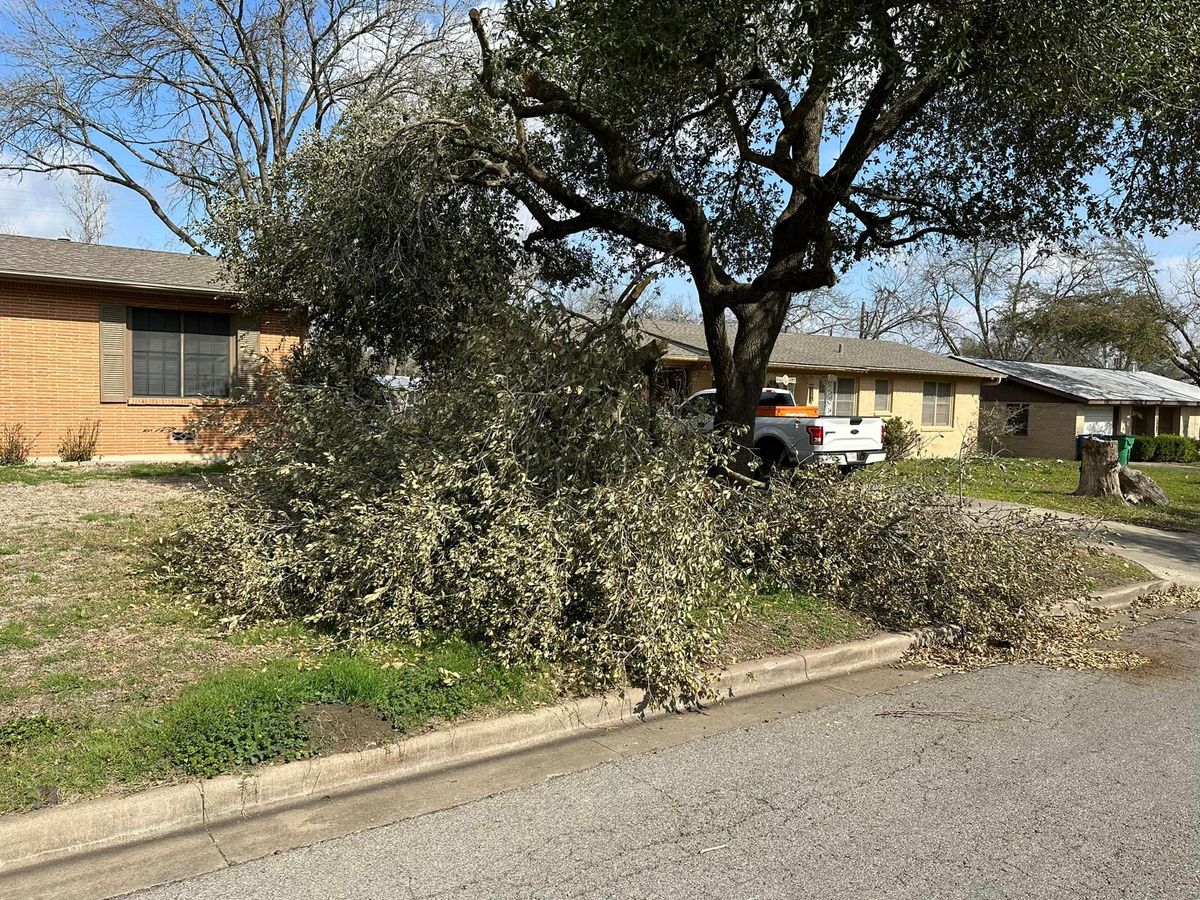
{"x":937,"y":404}
{"x":180,"y":354}
{"x":883,"y":395}
{"x":844,"y":401}
{"x":1016,"y":419}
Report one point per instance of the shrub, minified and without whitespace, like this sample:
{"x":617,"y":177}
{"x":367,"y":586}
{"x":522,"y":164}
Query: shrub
{"x":1174,"y":448}
{"x":901,"y":439}
{"x":1144,"y":449}
{"x":15,"y":445}
{"x":79,"y":445}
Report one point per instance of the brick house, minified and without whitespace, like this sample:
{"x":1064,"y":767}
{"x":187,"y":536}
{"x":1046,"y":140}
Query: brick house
{"x":848,"y":376}
{"x":1048,"y":406}
{"x":140,"y":341}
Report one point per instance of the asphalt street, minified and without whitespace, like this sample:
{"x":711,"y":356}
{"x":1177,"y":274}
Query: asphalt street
{"x":1010,"y":782}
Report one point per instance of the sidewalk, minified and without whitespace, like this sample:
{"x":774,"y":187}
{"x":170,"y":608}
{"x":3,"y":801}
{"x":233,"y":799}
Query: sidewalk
{"x":1174,"y":555}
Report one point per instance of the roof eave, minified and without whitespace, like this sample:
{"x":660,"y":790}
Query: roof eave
{"x":982,"y":374}
{"x":210,"y":290}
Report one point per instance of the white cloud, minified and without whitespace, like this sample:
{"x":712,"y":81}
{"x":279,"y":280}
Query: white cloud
{"x":29,"y":205}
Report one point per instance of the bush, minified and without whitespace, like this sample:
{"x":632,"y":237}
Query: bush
{"x":79,"y":445}
{"x":15,"y":445}
{"x":1144,"y":449}
{"x":901,"y":439}
{"x":1173,"y":448}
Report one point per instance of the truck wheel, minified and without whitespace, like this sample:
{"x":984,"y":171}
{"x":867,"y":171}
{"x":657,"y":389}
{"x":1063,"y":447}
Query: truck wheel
{"x":772,"y":455}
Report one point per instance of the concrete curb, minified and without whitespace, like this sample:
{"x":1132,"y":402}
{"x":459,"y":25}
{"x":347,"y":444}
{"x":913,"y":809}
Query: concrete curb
{"x":1126,"y":595}
{"x":53,"y":836}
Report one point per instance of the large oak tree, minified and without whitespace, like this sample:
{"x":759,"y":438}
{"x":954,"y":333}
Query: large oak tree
{"x":762,"y":147}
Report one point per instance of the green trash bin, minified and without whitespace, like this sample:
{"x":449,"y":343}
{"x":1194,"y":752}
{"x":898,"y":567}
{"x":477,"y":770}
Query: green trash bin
{"x":1124,"y":447}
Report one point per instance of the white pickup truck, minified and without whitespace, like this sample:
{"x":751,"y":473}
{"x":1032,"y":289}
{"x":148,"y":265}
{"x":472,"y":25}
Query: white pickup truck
{"x":791,"y":435}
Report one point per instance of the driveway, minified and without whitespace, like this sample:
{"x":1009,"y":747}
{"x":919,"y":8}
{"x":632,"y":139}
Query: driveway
{"x":1168,"y":554}
{"x":1010,"y":782}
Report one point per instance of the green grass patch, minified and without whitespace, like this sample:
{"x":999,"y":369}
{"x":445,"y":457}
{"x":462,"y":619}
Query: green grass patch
{"x":776,"y":622}
{"x":241,"y":717}
{"x":13,"y":637}
{"x":27,"y":730}
{"x":105,"y":517}
{"x":9,"y":550}
{"x":32,"y":474}
{"x":1050,"y":483}
{"x":1105,"y":570}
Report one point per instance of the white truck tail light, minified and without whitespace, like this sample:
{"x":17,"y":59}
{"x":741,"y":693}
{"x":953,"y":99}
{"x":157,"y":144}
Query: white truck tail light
{"x":816,"y":435}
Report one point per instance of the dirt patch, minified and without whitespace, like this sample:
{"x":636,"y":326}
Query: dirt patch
{"x":56,"y":503}
{"x":1171,"y":653}
{"x":337,"y":728}
{"x":83,"y":625}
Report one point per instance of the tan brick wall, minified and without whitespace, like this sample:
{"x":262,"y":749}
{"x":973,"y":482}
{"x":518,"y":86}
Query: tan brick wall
{"x":907,"y":394}
{"x":1052,"y":431}
{"x":50,"y":369}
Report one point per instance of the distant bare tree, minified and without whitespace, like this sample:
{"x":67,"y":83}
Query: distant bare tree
{"x":86,"y":201}
{"x":977,"y":296}
{"x":189,"y":103}
{"x":670,"y":309}
{"x":891,"y":308}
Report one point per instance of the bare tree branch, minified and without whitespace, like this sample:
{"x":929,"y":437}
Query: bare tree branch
{"x":189,"y":106}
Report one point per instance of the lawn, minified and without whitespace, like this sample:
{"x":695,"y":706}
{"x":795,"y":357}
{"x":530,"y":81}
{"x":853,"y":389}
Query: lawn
{"x":1050,"y":483}
{"x":110,"y":683}
{"x":69,"y":474}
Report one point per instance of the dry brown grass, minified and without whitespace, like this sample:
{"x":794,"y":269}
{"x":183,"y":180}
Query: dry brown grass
{"x":83,"y":629}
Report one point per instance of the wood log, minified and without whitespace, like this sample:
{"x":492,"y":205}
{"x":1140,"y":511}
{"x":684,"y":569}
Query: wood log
{"x":1138,"y":487}
{"x":1099,"y":471}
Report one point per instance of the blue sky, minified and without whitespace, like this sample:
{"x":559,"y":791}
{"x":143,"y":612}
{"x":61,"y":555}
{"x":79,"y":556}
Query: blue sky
{"x":30,"y":205}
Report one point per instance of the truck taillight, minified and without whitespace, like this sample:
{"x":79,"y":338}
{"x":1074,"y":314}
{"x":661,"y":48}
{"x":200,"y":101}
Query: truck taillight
{"x":816,"y":435}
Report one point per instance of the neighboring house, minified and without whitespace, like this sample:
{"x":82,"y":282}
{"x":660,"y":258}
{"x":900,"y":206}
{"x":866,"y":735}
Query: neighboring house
{"x":1047,"y":406}
{"x":140,"y":341}
{"x":848,"y":376}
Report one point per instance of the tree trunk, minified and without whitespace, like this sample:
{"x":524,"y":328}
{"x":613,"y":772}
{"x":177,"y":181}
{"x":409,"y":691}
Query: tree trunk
{"x":740,"y":366}
{"x":1099,"y":471}
{"x":1138,"y":487}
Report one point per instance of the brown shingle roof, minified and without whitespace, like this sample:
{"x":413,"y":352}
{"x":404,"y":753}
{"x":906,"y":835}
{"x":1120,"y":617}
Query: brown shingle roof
{"x":817,"y":351}
{"x":29,"y":257}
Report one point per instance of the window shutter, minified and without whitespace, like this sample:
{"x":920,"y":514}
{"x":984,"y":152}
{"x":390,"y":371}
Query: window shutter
{"x":246,"y":365}
{"x":112,"y":354}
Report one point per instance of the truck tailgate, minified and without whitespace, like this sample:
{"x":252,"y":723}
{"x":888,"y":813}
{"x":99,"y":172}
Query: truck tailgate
{"x":850,"y":434}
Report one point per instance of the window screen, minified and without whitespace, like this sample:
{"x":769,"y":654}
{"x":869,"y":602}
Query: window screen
{"x":845,"y":396}
{"x":180,"y":354}
{"x":156,"y":358}
{"x":205,"y":355}
{"x":883,"y":395}
{"x":936,"y":404}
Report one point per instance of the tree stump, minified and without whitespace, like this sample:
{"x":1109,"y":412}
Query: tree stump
{"x":1099,"y":473}
{"x":1139,"y":487}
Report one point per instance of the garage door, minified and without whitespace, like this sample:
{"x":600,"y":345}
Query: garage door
{"x":1098,"y":420}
